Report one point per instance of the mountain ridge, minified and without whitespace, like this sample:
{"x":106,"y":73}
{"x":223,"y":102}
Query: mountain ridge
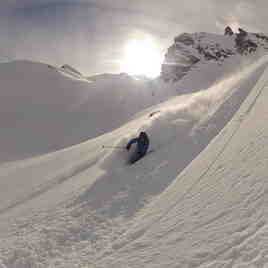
{"x":191,"y":49}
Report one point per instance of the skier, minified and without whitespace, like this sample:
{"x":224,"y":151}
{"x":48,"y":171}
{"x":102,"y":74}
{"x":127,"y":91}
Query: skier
{"x":141,"y":148}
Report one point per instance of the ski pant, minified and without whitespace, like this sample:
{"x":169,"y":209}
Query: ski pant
{"x":136,"y":156}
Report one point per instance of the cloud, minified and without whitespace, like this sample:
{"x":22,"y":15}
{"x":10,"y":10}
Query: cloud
{"x":87,"y":35}
{"x":90,"y":34}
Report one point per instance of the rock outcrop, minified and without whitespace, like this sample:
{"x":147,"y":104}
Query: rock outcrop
{"x":189,"y":49}
{"x":228,"y":31}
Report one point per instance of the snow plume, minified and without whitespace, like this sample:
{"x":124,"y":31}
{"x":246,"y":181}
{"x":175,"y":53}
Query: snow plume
{"x":187,"y":120}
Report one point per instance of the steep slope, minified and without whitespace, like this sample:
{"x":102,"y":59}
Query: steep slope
{"x":215,"y":213}
{"x":83,"y":205}
{"x":44,"y":108}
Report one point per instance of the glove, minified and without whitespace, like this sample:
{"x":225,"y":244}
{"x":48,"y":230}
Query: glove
{"x":128,"y":147}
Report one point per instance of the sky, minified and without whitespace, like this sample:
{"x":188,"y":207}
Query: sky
{"x":93,"y":36}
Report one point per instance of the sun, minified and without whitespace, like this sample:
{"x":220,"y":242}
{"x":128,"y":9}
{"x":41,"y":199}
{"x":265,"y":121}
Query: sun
{"x":142,"y":57}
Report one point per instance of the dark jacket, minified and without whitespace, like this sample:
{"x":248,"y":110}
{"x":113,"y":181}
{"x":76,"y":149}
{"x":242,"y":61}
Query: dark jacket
{"x":142,"y":143}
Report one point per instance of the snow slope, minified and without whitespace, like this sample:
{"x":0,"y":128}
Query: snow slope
{"x":44,"y":108}
{"x":215,"y":213}
{"x":84,"y":207}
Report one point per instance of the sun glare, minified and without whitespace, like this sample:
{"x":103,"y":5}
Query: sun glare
{"x":142,"y":57}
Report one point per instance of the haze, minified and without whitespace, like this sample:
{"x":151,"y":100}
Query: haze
{"x":92,"y":35}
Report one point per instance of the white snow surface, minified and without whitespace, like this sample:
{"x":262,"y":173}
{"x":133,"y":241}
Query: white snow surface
{"x":44,"y":108}
{"x":198,"y":200}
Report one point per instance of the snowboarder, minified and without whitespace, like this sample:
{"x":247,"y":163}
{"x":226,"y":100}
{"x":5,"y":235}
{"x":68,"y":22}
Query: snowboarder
{"x":141,"y":148}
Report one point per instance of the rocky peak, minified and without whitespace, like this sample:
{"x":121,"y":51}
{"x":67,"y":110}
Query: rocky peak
{"x":189,"y":49}
{"x":228,"y":31}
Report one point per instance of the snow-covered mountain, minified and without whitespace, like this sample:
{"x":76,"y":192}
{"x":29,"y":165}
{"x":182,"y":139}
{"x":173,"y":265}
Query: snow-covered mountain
{"x":191,"y":50}
{"x":198,"y":200}
{"x":55,"y":107}
{"x":44,"y":108}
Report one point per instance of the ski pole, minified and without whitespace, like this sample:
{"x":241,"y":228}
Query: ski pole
{"x":116,"y":147}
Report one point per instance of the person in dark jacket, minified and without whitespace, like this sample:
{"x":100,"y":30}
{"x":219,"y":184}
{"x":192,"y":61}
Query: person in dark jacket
{"x":141,"y":148}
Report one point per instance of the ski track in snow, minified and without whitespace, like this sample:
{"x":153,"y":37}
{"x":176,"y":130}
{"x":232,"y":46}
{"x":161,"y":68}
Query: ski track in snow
{"x":95,"y":211}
